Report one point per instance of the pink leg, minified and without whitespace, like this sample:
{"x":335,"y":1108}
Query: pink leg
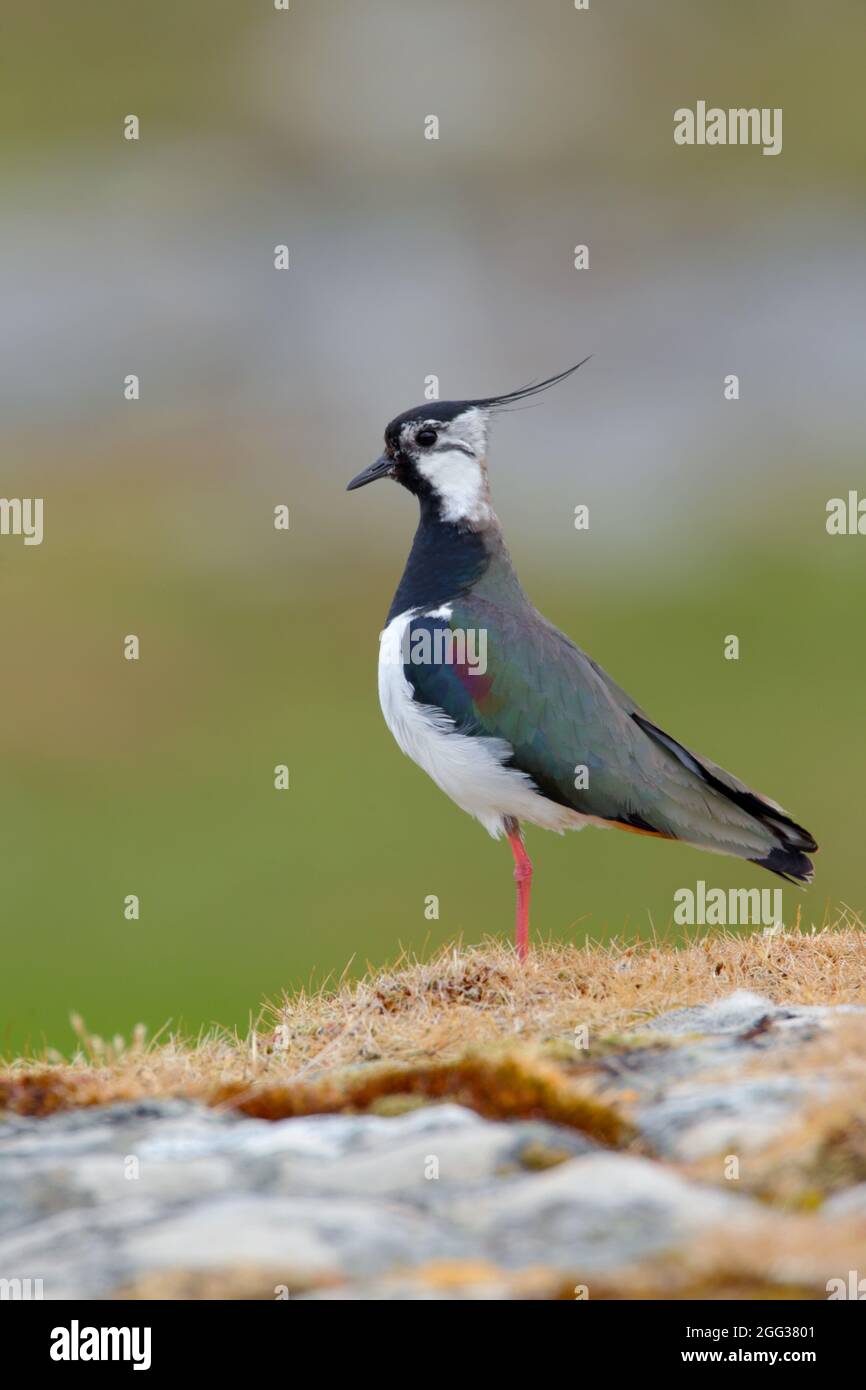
{"x":523,"y":879}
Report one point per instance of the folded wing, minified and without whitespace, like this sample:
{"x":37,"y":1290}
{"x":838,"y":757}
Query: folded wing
{"x":583,"y":741}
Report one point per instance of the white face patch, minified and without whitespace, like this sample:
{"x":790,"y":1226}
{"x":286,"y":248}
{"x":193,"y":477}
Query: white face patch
{"x":455,"y":466}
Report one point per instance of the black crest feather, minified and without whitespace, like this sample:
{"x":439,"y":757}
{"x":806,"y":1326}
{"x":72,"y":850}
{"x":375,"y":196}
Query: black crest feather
{"x":533,"y":388}
{"x":448,"y":410}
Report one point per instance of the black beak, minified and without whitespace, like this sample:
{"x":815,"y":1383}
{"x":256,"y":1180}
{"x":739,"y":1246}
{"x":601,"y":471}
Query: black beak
{"x":380,"y":469}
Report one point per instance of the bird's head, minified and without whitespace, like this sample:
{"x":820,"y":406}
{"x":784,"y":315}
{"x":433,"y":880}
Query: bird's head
{"x":438,"y":451}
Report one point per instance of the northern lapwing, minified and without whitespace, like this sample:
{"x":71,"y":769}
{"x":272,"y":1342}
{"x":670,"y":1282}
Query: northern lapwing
{"x":502,"y":710}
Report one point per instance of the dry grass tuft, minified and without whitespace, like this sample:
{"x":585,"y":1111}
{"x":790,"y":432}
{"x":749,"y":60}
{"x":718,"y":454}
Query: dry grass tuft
{"x":470,"y":1025}
{"x":482,"y":995}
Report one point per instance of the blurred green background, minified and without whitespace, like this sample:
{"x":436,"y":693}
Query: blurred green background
{"x":408,"y":258}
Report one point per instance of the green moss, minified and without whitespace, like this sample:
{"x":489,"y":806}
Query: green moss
{"x":563,"y":1048}
{"x":501,"y":1082}
{"x":537,"y":1156}
{"x":401,"y":1103}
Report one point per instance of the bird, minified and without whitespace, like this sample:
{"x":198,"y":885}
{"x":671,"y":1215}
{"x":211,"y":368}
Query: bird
{"x":512,"y":720}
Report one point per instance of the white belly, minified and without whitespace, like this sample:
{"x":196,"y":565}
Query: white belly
{"x":470,"y":770}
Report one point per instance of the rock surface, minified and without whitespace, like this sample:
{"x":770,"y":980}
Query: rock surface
{"x":103,"y":1200}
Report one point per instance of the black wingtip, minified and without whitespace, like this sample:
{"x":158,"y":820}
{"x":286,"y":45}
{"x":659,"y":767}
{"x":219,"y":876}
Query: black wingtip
{"x":790,"y":864}
{"x":794,"y":837}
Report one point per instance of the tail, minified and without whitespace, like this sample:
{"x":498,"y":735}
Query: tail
{"x":791,"y":864}
{"x":790,"y":843}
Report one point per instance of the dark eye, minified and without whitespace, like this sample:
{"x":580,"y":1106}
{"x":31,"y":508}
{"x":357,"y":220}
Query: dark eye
{"x":426,"y":437}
